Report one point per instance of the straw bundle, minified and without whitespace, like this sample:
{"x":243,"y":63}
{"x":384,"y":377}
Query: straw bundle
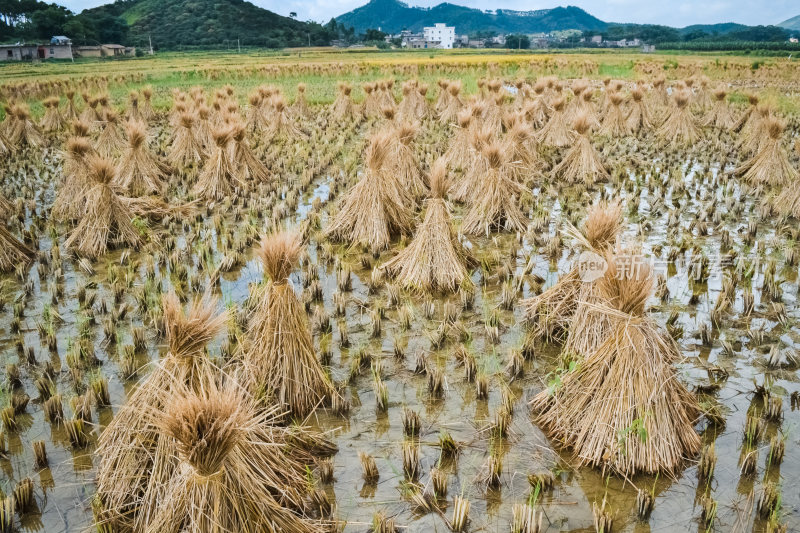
{"x":659,"y":92}
{"x":787,"y":202}
{"x":623,"y":407}
{"x":755,"y":131}
{"x":135,"y":460}
{"x":576,"y":104}
{"x":745,"y":120}
{"x":443,"y":95}
{"x":13,"y":252}
{"x":523,"y":151}
{"x":9,"y":124}
{"x":248,"y":166}
{"x":203,"y":126}
{"x":435,"y":260}
{"x":680,"y":125}
{"x":450,"y":111}
{"x":109,"y":142}
{"x":147,"y":111}
{"x":6,"y":147}
{"x":549,"y":314}
{"x":70,"y":201}
{"x":770,"y":166}
{"x":89,"y":113}
{"x":235,"y":470}
{"x":555,"y":132}
{"x":719,"y":116}
{"x":385,"y":95}
{"x":492,"y":113}
{"x":280,"y":357}
{"x":614,"y":123}
{"x":280,"y":125}
{"x":25,"y":132}
{"x":106,"y":221}
{"x":139,"y":172}
{"x":589,"y":327}
{"x":133,"y":114}
{"x":458,"y":153}
{"x":69,"y":109}
{"x":581,"y":162}
{"x":403,"y":162}
{"x":702,"y":99}
{"x":187,"y":148}
{"x":377,"y":207}
{"x":256,"y":117}
{"x":413,"y":106}
{"x":343,"y":106}
{"x":52,"y":120}
{"x":639,"y":118}
{"x":218,"y":178}
{"x":494,"y":204}
{"x":300,"y":106}
{"x":476,"y":167}
{"x":538,"y":111}
{"x":371,"y":107}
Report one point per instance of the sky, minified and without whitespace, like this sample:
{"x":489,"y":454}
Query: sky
{"x":676,"y":13}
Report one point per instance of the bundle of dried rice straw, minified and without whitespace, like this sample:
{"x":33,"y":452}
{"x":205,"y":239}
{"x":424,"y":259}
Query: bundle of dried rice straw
{"x":623,"y":408}
{"x":435,"y":260}
{"x":770,"y":166}
{"x":279,"y":356}
{"x":494,"y":202}
{"x":377,"y":207}
{"x":549,"y":314}
{"x":106,"y":220}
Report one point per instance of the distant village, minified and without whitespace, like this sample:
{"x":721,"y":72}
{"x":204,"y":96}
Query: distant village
{"x":444,"y":37}
{"x":438,"y":36}
{"x":60,"y":47}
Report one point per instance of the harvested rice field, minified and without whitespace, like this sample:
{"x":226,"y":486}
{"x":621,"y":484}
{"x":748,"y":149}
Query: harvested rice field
{"x":456,"y":292}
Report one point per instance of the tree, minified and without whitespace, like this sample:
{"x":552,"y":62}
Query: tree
{"x":50,"y":21}
{"x":374,"y":35}
{"x":293,"y":14}
{"x":694,"y":35}
{"x":518,"y":41}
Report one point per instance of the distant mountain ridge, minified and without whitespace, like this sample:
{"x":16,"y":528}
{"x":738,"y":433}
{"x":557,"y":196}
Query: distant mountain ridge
{"x":792,"y":24}
{"x":199,"y":23}
{"x":393,"y":16}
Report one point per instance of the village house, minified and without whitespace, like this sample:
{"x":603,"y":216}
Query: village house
{"x":105,"y":50}
{"x":18,"y":52}
{"x":60,"y":47}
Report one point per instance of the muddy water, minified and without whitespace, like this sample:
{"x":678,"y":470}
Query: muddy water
{"x":64,"y":489}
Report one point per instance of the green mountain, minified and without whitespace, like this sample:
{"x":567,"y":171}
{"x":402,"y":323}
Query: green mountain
{"x":719,"y":29}
{"x":393,"y":16}
{"x":203,"y":23}
{"x":792,"y":24}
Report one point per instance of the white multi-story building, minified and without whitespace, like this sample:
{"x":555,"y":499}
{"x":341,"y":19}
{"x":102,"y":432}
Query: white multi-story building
{"x":441,"y":33}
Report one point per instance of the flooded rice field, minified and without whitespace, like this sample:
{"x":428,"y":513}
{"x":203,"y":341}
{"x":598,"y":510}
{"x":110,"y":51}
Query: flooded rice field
{"x":429,"y":390}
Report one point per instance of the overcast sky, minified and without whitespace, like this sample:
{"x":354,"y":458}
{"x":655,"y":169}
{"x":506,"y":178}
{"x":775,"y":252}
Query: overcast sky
{"x":671,"y":13}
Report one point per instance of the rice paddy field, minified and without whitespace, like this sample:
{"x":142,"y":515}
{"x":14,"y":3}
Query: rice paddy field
{"x":318,"y":291}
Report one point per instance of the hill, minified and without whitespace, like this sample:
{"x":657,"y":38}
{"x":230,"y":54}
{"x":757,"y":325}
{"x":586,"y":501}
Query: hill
{"x":792,"y":24}
{"x":393,"y":16}
{"x":201,"y":23}
{"x":711,"y":29}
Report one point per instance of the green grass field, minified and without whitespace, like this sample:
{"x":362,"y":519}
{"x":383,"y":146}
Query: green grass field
{"x":320,"y":68}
